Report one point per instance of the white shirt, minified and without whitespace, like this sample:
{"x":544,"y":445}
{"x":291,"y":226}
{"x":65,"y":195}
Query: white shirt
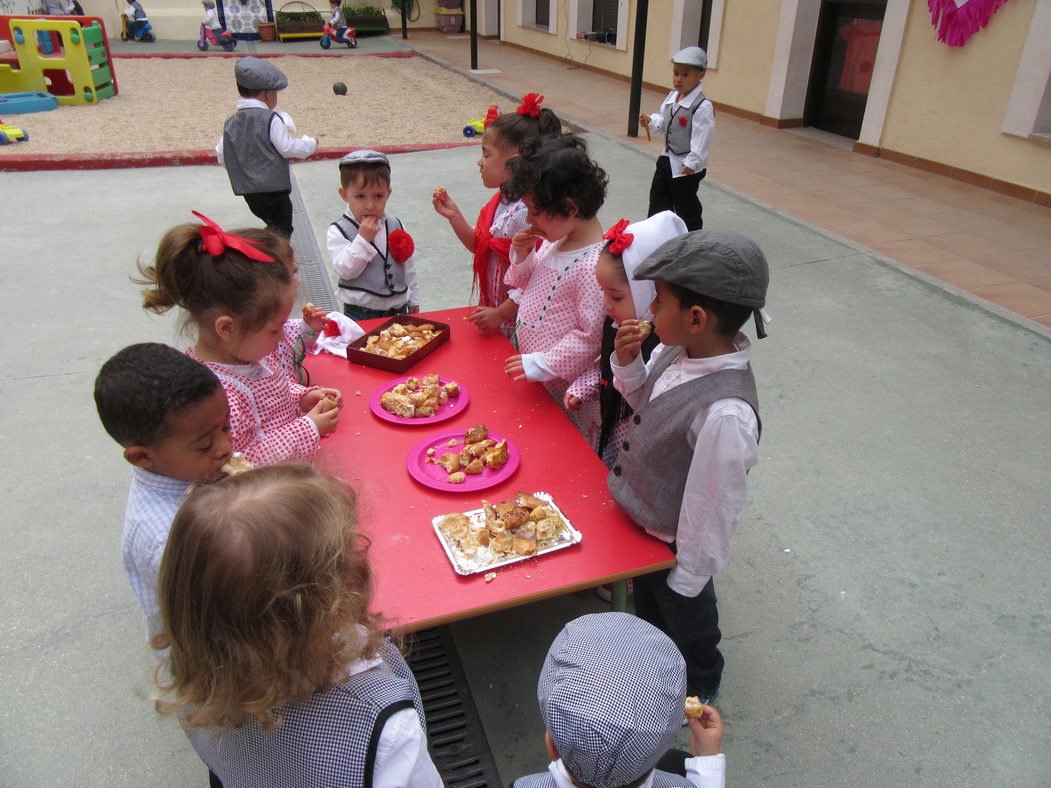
{"x":402,"y":760}
{"x":350,"y":258}
{"x":280,"y":134}
{"x":211,"y":19}
{"x":702,"y":771}
{"x":700,"y":134}
{"x":725,"y":439}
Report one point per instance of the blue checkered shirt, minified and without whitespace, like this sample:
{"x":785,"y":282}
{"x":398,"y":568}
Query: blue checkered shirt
{"x":152,"y":503}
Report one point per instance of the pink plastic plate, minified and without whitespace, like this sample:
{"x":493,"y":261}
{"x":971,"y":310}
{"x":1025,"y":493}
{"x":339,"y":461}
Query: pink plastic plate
{"x":433,"y":475}
{"x":447,"y":411}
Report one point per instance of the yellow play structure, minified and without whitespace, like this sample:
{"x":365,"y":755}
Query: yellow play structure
{"x":67,"y":57}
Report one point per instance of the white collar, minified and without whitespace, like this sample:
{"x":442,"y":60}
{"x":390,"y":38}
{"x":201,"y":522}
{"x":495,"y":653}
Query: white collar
{"x":688,"y":99}
{"x":695,"y":367}
{"x":248,"y":103}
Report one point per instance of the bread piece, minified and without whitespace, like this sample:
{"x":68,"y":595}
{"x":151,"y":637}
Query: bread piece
{"x":450,"y":461}
{"x":477,"y":433}
{"x":328,"y":403}
{"x":236,"y":464}
{"x":645,"y":327}
{"x":694,"y":708}
{"x":452,"y":388}
{"x":528,"y":501}
{"x":516,"y":517}
{"x":457,"y":478}
{"x":496,"y":457}
{"x":524,"y":545}
{"x":474,"y":467}
{"x":397,"y":405}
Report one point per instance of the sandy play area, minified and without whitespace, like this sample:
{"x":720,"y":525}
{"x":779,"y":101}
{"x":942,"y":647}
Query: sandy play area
{"x":180,"y":104}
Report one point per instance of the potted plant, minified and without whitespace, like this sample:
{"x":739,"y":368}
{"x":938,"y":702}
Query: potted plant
{"x":366,"y":18}
{"x":298,"y":20}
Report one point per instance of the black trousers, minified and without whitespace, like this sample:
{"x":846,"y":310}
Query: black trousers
{"x":274,"y":208}
{"x":691,"y":622}
{"x":678,"y":195}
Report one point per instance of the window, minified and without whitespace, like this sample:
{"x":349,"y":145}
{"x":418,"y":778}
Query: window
{"x":538,"y":13}
{"x":604,"y":19}
{"x":706,"y":24}
{"x":542,"y":14}
{"x":697,"y":23}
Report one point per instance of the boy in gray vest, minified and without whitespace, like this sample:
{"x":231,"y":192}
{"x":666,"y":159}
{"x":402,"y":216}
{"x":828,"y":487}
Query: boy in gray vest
{"x":369,"y":248}
{"x":612,"y":693}
{"x":257,"y":143}
{"x":683,"y":467}
{"x":687,"y":119}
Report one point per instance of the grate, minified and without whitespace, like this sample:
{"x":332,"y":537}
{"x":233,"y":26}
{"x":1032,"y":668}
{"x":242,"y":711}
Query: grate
{"x":312,"y":271}
{"x":456,"y":738}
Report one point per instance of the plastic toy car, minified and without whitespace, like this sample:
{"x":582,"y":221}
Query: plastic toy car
{"x":474,"y":128}
{"x":12,"y":134}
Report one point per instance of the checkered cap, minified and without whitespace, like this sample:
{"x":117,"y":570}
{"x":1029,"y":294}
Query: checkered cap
{"x":611,"y":694}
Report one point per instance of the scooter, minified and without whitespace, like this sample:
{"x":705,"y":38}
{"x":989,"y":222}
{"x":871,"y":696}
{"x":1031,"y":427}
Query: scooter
{"x":225,"y":39}
{"x":349,"y":37}
{"x":144,"y":33}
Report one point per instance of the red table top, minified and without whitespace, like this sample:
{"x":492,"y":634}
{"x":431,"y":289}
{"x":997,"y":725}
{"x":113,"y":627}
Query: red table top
{"x":416,"y":586}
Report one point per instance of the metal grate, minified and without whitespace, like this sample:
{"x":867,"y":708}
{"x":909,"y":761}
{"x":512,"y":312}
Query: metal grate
{"x":312,"y":271}
{"x":456,"y":738}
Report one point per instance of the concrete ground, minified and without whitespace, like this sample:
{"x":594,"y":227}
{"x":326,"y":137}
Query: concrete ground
{"x":885,"y":611}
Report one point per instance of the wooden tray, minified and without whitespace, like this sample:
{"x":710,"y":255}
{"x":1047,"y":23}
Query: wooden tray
{"x":357,"y":355}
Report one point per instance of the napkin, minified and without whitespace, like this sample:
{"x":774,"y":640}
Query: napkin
{"x":337,"y":343}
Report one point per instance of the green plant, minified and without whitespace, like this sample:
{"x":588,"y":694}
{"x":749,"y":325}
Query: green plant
{"x":362,"y":10}
{"x":298,"y":16}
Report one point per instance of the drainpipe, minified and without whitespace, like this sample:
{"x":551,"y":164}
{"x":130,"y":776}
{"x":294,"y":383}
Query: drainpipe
{"x":638,"y":55}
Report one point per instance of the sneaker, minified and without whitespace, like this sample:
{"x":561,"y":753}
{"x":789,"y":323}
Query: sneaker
{"x":605,"y":591}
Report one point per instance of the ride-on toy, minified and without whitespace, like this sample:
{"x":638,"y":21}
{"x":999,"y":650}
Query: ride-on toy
{"x":224,"y":39}
{"x":349,"y":37}
{"x":11,"y":134}
{"x":144,"y":33}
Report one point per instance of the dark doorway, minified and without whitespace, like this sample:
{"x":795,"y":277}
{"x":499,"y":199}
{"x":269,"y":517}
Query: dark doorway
{"x":844,"y":56}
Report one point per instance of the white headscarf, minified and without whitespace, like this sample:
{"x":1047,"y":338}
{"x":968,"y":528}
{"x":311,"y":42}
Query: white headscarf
{"x":649,"y":234}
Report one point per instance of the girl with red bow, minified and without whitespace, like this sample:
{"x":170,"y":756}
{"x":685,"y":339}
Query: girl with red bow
{"x":237,"y":289}
{"x":490,"y":239}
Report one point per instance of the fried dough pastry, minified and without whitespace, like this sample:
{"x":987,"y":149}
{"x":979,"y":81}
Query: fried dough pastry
{"x":457,"y":478}
{"x":449,"y":461}
{"x":476,"y":433}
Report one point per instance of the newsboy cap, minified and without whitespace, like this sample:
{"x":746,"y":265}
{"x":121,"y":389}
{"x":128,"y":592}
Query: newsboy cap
{"x":611,"y":694}
{"x":719,"y":264}
{"x":691,"y":56}
{"x":364,"y":156}
{"x":255,"y":73}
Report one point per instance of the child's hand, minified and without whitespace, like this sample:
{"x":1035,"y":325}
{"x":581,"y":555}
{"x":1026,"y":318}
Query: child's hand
{"x":325,"y":422}
{"x":444,"y":204}
{"x":368,"y":228}
{"x":687,"y":170}
{"x":487,"y":319}
{"x":414,"y":310}
{"x":572,"y":403}
{"x":314,"y":317}
{"x":706,"y":732}
{"x":628,"y":342}
{"x":644,"y":119}
{"x":524,"y":241}
{"x":515,"y":368}
{"x":314,"y":396}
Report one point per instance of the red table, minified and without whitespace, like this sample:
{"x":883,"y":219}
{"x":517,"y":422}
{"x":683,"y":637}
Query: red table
{"x":416,"y":586}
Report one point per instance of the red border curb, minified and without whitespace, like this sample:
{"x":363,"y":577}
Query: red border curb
{"x":189,"y":55}
{"x":173,"y":158}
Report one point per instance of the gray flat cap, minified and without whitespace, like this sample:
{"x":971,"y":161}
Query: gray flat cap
{"x":691,"y":56}
{"x":364,"y":156}
{"x":611,"y":694}
{"x":255,"y":73}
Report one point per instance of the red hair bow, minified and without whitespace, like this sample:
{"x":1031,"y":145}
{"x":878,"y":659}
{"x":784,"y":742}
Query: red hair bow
{"x":215,"y":241}
{"x":620,"y":239}
{"x":401,"y":245}
{"x":530,"y":105}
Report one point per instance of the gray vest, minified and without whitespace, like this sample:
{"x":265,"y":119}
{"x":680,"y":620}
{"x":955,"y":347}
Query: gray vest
{"x":649,"y":478}
{"x":326,"y":741}
{"x":676,"y":136}
{"x":383,"y":276}
{"x":252,"y":162}
{"x":545,"y":780}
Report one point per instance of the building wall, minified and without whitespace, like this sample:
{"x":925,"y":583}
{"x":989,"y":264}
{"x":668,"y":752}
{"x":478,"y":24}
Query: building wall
{"x":948,"y":103}
{"x":746,"y":53}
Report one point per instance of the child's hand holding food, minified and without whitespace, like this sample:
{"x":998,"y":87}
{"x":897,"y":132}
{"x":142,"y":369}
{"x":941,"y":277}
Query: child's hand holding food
{"x":314,"y":317}
{"x":706,"y":731}
{"x":628,"y":341}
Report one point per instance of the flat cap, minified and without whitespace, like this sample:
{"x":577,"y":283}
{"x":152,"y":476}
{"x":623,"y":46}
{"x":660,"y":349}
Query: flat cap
{"x":255,"y":73}
{"x":611,"y":694}
{"x":691,"y":56}
{"x":364,"y":156}
{"x":717,"y":263}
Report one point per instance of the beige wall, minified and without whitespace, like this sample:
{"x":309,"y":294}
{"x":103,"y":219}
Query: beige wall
{"x":948,"y":103}
{"x":746,"y":55}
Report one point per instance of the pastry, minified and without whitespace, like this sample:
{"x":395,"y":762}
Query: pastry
{"x":450,"y":461}
{"x":476,"y":433}
{"x":456,"y":526}
{"x":528,"y":501}
{"x":502,"y":543}
{"x":474,"y":467}
{"x":328,"y":403}
{"x":546,"y":530}
{"x":694,"y":707}
{"x":236,"y":464}
{"x":645,"y":327}
{"x":516,"y":517}
{"x":457,"y":478}
{"x":496,"y":457}
{"x":397,"y":405}
{"x":525,"y":545}
{"x":439,"y":191}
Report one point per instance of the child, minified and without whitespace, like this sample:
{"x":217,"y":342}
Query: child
{"x":238,"y":289}
{"x":257,"y":143}
{"x":213,"y":28}
{"x":625,"y":298}
{"x":370,"y":249}
{"x":137,"y":19}
{"x":338,"y":21}
{"x":278,"y":669}
{"x":500,"y":219}
{"x":612,"y":692}
{"x":559,"y":302}
{"x":170,"y":415}
{"x":682,"y":470}
{"x":688,"y":120}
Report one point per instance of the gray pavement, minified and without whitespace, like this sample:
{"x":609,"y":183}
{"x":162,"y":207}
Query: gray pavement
{"x":367,"y":45}
{"x":885,"y":611}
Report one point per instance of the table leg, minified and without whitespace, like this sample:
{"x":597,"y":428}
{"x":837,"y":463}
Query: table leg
{"x":619,"y":596}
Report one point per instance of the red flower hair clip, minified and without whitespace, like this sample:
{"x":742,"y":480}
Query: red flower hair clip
{"x":530,"y":105}
{"x":682,"y":121}
{"x":216,"y":241}
{"x":401,"y":245}
{"x":620,"y":240}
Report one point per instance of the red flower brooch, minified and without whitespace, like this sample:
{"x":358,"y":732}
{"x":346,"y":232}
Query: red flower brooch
{"x":682,"y":121}
{"x":530,"y":105}
{"x":401,"y":245}
{"x":620,"y":240}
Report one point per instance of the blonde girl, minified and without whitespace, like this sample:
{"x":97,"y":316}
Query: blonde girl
{"x":490,"y":239}
{"x":277,"y":668}
{"x":237,"y":289}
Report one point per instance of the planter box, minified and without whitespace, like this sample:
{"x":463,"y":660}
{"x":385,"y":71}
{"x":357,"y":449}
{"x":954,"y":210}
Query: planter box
{"x":300,"y":29}
{"x":368,"y":24}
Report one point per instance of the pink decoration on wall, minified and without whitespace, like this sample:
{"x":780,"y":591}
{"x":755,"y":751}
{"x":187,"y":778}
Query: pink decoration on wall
{"x":958,"y":21}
